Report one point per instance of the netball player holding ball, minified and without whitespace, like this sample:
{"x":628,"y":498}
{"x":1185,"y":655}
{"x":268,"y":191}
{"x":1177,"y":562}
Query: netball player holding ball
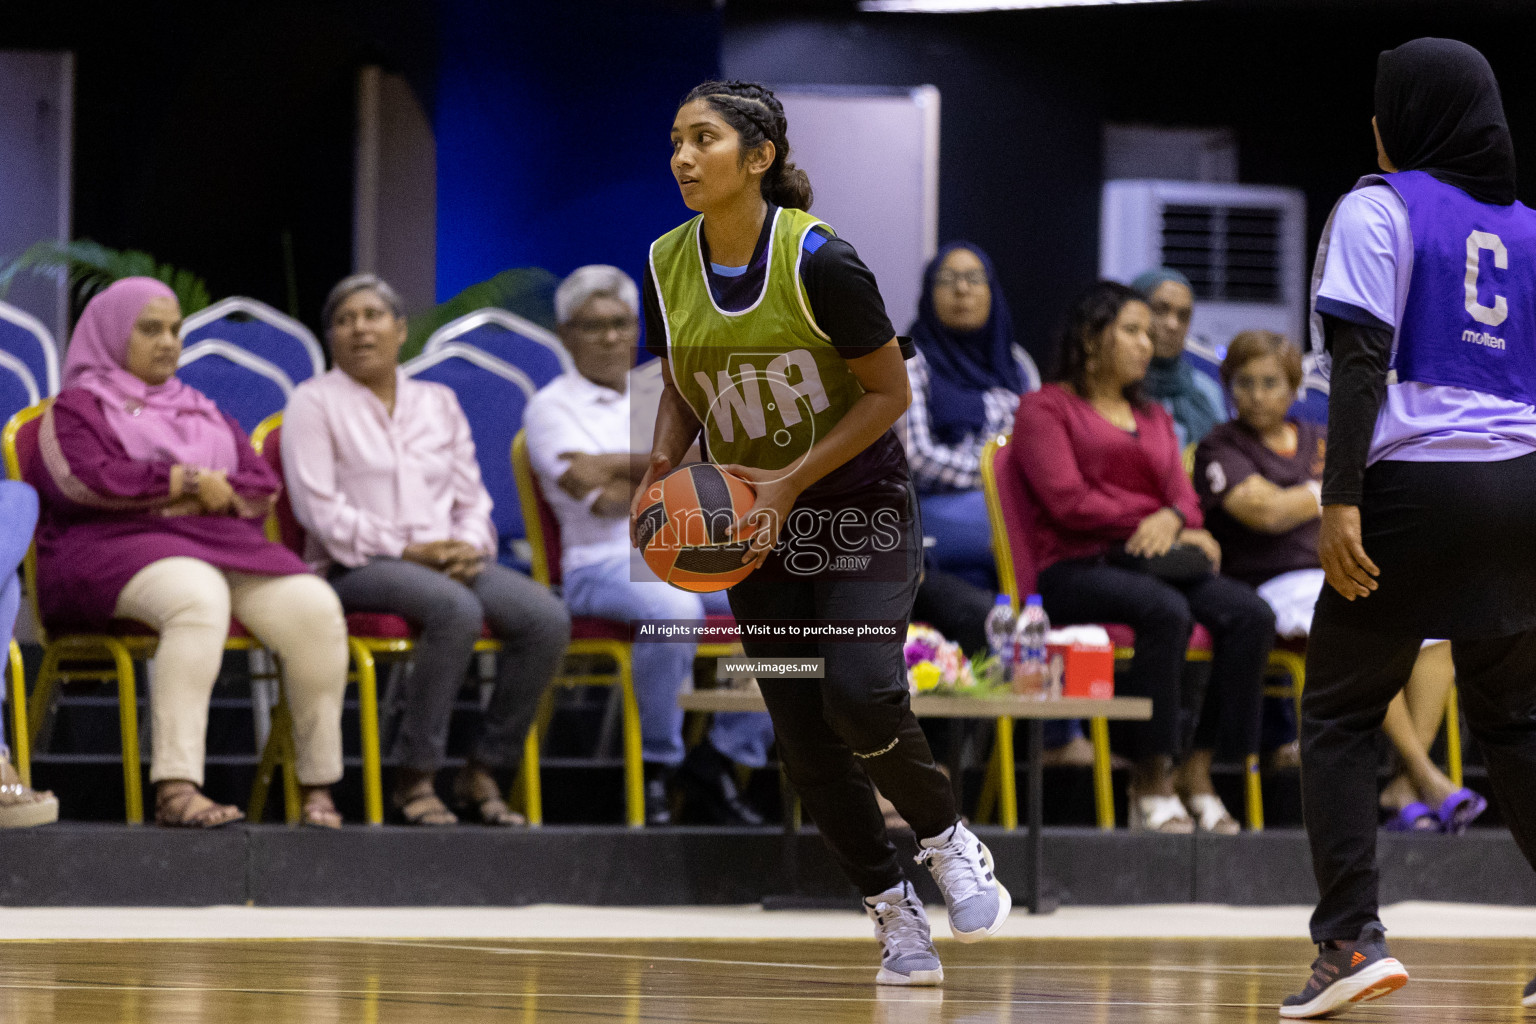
{"x":776,"y":346}
{"x":1427,"y":297}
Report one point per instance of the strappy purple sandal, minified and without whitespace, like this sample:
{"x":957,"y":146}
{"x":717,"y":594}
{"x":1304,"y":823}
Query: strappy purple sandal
{"x":1460,"y":809}
{"x":1415,"y":817}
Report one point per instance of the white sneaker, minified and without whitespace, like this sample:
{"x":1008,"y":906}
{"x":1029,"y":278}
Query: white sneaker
{"x":962,"y":865}
{"x":907,"y":956}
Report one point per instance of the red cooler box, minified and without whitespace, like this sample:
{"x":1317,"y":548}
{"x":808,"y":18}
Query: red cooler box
{"x":1085,"y":659}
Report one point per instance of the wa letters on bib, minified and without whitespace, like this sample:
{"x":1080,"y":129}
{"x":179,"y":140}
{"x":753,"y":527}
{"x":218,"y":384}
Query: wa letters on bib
{"x":764,"y":381}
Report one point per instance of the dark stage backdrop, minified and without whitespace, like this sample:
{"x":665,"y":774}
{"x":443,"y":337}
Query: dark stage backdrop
{"x":220,"y":136}
{"x":208,"y":133}
{"x":1025,"y":95}
{"x":552,"y":123}
{"x":205,"y":131}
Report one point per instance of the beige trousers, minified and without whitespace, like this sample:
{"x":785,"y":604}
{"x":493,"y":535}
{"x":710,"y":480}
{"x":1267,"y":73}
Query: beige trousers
{"x":298,"y":618}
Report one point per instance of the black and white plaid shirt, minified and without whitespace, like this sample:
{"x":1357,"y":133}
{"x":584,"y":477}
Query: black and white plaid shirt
{"x":938,"y":467}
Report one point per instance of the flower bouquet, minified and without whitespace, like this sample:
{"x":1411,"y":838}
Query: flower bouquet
{"x":937,"y":665}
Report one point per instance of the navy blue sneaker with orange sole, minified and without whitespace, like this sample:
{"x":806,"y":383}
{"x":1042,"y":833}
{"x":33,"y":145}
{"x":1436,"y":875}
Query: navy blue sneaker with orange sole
{"x":1360,"y":971}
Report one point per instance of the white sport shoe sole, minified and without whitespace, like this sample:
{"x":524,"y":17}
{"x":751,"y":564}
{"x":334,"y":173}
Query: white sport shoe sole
{"x":1004,"y":906}
{"x":1529,"y":1000}
{"x":916,"y":978}
{"x":1381,"y":978}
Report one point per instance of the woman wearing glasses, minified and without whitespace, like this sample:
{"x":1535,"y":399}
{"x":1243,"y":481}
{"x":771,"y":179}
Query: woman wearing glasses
{"x":966,"y":377}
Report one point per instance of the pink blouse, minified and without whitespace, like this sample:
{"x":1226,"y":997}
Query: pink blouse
{"x":365,"y":483}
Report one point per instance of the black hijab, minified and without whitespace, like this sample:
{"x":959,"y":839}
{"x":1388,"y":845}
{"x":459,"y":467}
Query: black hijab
{"x":1438,"y":110}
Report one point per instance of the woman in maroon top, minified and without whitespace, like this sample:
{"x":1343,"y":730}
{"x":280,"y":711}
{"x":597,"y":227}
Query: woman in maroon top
{"x":1112,"y":505}
{"x":152,"y":510}
{"x":1260,"y":482}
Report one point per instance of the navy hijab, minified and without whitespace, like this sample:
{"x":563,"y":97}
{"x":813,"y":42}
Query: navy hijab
{"x":1438,"y":110}
{"x":964,"y":365}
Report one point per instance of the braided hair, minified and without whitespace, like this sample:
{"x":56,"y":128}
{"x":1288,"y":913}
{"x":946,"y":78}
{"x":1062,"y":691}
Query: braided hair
{"x":758,"y":117}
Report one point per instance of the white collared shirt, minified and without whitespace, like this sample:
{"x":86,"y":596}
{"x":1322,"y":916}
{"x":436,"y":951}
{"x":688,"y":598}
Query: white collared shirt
{"x":572,"y":414}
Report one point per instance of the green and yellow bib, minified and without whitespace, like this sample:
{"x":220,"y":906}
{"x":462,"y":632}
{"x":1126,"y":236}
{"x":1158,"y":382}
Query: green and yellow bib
{"x":765,"y":382}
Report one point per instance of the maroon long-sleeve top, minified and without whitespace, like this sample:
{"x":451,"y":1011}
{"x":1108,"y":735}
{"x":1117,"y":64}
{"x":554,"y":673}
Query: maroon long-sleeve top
{"x":106,"y":515}
{"x":1091,"y":482}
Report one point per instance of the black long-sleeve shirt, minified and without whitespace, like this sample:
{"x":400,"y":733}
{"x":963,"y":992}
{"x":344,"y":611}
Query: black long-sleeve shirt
{"x":1357,"y":387}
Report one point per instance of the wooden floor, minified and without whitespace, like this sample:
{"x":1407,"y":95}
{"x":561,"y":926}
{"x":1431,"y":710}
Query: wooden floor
{"x":725,"y":981}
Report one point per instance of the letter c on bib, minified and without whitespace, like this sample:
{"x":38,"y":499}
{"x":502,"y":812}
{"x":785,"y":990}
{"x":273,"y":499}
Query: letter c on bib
{"x":1477,"y":241}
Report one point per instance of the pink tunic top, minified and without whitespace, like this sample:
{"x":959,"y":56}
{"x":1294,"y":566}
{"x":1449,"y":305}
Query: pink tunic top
{"x":365,"y":482}
{"x":105,"y":516}
{"x":1092,"y":482}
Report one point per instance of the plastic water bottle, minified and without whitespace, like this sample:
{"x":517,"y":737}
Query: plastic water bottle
{"x":999,"y":630}
{"x":1031,"y":670}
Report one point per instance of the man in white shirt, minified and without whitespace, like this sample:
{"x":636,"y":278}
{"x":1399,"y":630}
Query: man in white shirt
{"x":578,"y":431}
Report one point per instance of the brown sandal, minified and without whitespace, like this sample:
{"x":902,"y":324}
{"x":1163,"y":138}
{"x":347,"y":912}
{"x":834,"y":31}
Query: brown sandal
{"x":476,"y":795}
{"x":420,"y":805}
{"x":319,"y":810}
{"x":180,"y":804}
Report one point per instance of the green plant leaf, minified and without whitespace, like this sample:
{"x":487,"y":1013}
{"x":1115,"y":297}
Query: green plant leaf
{"x":527,"y":291}
{"x":89,"y":267}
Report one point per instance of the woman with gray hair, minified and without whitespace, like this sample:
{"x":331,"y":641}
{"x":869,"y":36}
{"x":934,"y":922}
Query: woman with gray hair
{"x":381,"y":471}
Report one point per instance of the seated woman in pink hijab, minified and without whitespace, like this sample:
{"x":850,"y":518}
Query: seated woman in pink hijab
{"x":152,"y":509}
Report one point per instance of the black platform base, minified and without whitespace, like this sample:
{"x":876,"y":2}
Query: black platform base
{"x":114,"y":865}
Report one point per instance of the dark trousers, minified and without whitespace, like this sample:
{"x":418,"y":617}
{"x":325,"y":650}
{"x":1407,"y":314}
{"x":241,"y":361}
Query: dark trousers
{"x":531,"y":623}
{"x":839,"y":733}
{"x":1242,"y":629}
{"x":955,"y":607}
{"x":1352,"y":675}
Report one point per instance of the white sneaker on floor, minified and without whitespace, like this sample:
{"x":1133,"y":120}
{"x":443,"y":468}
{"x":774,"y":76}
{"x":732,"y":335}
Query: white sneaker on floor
{"x":967,"y":876}
{"x":907,"y":956}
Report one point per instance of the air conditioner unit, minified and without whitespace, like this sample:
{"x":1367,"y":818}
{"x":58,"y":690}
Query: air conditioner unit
{"x":1241,"y":246}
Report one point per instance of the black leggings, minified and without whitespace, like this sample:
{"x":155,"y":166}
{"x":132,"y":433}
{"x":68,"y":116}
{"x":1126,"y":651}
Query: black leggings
{"x":839,"y":733}
{"x":1457,"y":551}
{"x":1352,"y":675}
{"x":1242,"y":629}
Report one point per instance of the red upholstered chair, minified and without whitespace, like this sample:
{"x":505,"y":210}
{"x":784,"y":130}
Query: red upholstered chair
{"x":608,"y":638}
{"x":371,"y":637}
{"x":1010,"y":507}
{"x":74,"y":656}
